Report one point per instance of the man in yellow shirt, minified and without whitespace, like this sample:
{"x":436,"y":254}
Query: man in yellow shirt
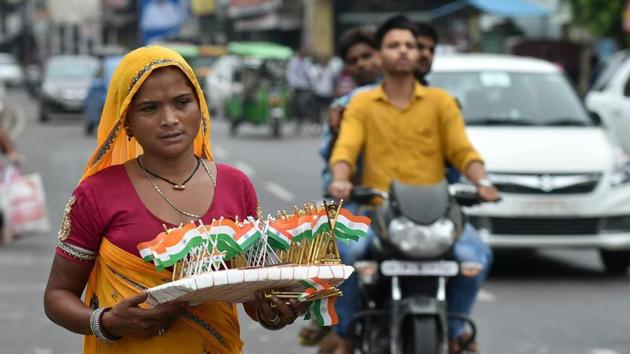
{"x":406,"y":131}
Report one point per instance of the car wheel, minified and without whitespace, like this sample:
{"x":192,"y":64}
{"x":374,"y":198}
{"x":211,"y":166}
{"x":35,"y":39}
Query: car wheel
{"x":616,"y":262}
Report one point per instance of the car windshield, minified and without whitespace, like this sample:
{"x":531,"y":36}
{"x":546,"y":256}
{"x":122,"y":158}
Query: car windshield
{"x":609,"y":70}
{"x":72,"y":68}
{"x":513,"y":98}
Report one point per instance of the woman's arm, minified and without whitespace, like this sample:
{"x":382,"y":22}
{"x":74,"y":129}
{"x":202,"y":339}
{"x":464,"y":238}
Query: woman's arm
{"x":62,"y":298}
{"x":63,"y":305}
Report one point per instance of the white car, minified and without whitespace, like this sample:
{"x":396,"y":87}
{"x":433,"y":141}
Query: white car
{"x":564,"y":181}
{"x":10,"y":71}
{"x":609,"y":98}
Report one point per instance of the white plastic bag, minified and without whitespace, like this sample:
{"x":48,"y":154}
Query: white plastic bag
{"x":23,"y":203}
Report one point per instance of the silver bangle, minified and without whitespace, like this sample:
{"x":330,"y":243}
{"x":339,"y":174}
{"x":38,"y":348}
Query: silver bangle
{"x":96,"y":325}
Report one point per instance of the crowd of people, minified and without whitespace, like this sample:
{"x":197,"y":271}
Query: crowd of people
{"x":155,"y":129}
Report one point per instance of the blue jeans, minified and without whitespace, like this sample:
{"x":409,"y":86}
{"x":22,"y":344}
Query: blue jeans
{"x":461,"y":291}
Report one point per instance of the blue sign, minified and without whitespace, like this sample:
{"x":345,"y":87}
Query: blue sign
{"x":161,"y":18}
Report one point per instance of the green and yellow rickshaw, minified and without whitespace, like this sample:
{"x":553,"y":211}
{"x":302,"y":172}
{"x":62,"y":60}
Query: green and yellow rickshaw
{"x":260,"y":94}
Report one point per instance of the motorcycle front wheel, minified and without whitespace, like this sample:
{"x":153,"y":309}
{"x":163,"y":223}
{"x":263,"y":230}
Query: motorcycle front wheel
{"x":421,"y":335}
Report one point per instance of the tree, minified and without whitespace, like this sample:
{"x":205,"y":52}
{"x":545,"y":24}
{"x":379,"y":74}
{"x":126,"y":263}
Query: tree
{"x":602,"y":18}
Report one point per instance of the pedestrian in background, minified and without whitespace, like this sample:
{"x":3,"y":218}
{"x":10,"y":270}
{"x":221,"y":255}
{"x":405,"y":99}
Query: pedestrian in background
{"x":322,"y":78}
{"x":299,"y":82}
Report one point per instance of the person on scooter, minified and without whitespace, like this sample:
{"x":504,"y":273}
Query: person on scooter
{"x":405,"y":131}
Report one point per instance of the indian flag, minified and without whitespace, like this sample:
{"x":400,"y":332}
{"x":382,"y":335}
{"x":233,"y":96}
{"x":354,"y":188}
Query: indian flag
{"x":351,"y":227}
{"x":146,"y":248}
{"x":278,"y":237}
{"x":321,"y":223}
{"x":177,"y":244}
{"x":247,"y":235}
{"x":161,"y":258}
{"x":312,"y":286}
{"x":323,"y":311}
{"x":303,"y":228}
{"x":223,"y":233}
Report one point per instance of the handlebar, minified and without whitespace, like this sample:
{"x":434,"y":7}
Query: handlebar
{"x":464,"y":194}
{"x":363,"y":194}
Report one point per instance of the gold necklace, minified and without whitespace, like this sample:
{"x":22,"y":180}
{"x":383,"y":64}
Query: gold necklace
{"x":194,"y":216}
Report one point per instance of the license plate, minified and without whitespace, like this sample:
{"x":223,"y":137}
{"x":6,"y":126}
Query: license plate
{"x":547,"y":207}
{"x":405,"y":268}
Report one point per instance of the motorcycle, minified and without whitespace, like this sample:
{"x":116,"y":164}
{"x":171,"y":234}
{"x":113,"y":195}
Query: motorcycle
{"x":403,"y":285}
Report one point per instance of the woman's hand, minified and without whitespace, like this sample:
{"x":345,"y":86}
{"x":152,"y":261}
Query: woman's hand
{"x":127,"y":319}
{"x":275,"y":313}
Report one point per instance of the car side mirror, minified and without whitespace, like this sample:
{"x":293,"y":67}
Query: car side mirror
{"x":595,"y":118}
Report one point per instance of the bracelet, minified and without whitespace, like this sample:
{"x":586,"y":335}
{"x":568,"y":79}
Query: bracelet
{"x":96,"y":321}
{"x":273,"y":326}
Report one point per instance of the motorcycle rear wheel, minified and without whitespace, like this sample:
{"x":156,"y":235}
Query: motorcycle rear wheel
{"x":421,"y":335}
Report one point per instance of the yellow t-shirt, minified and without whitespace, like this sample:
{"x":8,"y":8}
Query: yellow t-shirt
{"x":411,"y":145}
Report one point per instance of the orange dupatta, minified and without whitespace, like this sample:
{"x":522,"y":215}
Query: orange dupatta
{"x":207,"y":328}
{"x":113,"y":147}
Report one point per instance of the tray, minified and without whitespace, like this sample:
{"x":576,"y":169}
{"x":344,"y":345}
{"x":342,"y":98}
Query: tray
{"x":239,"y":285}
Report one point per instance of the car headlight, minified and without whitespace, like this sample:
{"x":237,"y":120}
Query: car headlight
{"x":621,"y":169}
{"x":422,"y":241}
{"x":50,"y":89}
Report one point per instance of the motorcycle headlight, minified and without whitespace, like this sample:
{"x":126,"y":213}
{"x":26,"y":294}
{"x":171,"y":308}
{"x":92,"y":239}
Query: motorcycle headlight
{"x":422,"y":241}
{"x":621,"y":169}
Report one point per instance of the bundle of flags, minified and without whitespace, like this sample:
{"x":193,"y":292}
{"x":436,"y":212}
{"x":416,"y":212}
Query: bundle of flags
{"x":223,"y":235}
{"x":196,"y":248}
{"x":232,"y":238}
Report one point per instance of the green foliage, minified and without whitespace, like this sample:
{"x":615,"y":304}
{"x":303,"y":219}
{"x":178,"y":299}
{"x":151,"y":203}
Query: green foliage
{"x":601,"y":17}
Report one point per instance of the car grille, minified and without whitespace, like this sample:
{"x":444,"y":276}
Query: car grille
{"x":538,"y":226}
{"x":552,"y":226}
{"x":577,"y":189}
{"x":546,"y":183}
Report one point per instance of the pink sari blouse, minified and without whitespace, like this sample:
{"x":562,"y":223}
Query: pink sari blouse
{"x":107,"y":205}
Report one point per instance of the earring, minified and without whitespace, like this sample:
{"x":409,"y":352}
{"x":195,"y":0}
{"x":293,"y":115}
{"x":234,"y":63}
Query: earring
{"x":129,"y":133}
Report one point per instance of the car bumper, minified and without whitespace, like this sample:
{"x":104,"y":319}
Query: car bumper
{"x":608,"y":241}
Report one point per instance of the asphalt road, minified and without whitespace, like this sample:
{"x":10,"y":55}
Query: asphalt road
{"x":553,"y":302}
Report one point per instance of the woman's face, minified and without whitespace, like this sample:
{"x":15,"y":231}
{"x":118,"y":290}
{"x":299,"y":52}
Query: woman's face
{"x":164,"y":115}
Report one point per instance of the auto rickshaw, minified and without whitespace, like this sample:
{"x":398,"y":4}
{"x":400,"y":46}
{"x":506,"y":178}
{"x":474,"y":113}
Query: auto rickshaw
{"x":260,"y":93}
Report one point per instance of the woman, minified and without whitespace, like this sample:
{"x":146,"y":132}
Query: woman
{"x":152,"y":168}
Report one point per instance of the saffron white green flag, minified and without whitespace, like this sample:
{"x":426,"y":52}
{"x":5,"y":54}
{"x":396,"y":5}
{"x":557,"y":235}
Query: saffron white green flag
{"x":321,"y":223}
{"x":247,"y":235}
{"x":278,"y":237}
{"x":351,"y":227}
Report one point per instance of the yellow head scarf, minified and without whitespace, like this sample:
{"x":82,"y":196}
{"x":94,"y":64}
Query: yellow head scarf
{"x":113,"y":146}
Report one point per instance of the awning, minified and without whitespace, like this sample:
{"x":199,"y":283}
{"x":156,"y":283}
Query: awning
{"x":509,"y":8}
